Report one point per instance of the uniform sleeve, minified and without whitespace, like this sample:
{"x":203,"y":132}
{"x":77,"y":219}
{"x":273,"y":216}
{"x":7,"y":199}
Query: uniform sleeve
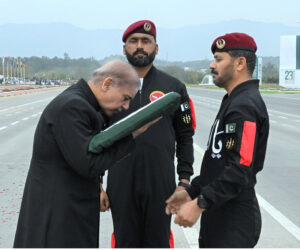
{"x":240,"y":136}
{"x":73,"y":132}
{"x":183,"y":124}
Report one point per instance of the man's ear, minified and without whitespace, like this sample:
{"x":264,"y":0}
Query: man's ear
{"x":107,"y":83}
{"x":124,"y":50}
{"x":156,"y":48}
{"x":241,"y":63}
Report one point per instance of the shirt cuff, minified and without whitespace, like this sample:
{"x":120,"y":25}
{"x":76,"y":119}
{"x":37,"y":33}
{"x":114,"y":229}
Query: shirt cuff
{"x":193,"y":191}
{"x":185,"y":176}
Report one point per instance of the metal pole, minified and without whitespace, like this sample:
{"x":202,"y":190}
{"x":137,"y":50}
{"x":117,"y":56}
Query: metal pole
{"x":7,"y":67}
{"x":3,"y":69}
{"x":11,"y":71}
{"x":14,"y":65}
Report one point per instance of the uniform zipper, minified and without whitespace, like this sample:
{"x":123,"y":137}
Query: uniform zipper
{"x":140,"y":91}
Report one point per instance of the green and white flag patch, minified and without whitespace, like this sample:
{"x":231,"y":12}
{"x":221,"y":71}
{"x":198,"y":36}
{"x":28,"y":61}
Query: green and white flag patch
{"x":230,"y":128}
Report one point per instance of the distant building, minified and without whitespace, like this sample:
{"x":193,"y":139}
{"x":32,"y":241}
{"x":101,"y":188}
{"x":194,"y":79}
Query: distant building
{"x":289,"y":72}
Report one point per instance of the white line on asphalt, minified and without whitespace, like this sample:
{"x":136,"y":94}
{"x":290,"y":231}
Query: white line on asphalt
{"x":199,"y":149}
{"x":191,"y":235}
{"x":25,"y":118}
{"x":201,"y":100}
{"x":272,"y":121}
{"x":4,"y":127}
{"x":282,"y":117}
{"x":34,"y":115}
{"x":279,"y":217}
{"x":214,"y":106}
{"x":282,"y":113}
{"x":14,"y":123}
{"x":25,"y":104}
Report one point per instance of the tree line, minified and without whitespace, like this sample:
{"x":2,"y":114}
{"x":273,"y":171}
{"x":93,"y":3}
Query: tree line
{"x":68,"y":69}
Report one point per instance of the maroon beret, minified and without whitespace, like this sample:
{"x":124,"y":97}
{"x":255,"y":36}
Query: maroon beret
{"x":234,"y":41}
{"x":143,"y":26}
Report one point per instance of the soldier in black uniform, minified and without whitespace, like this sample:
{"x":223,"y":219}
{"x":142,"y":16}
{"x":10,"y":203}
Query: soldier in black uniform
{"x":224,"y":190}
{"x":137,"y":194}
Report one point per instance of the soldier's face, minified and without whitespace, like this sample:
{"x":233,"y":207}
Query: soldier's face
{"x":222,"y":69}
{"x":140,"y":49}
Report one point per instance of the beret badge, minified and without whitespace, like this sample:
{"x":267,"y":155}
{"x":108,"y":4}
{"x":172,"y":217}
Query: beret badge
{"x":220,"y":43}
{"x":147,"y":27}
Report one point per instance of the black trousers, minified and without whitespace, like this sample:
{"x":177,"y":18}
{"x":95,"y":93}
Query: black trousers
{"x":236,"y":224}
{"x":138,"y":202}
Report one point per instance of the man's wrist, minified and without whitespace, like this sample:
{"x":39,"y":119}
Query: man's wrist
{"x":183,"y":184}
{"x":202,"y":202}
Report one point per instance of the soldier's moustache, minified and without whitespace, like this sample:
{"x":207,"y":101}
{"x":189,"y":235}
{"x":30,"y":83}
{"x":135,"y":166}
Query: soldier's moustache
{"x":214,"y":72}
{"x":140,"y":51}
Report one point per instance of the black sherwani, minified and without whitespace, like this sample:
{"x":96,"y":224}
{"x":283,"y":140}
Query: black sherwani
{"x":60,"y":206}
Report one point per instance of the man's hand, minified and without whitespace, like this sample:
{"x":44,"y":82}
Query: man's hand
{"x":179,"y":188}
{"x":104,"y":201}
{"x":188,"y":214}
{"x":144,"y":128}
{"x":176,"y":200}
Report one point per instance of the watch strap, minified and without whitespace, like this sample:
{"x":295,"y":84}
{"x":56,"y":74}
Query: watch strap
{"x":183,"y":184}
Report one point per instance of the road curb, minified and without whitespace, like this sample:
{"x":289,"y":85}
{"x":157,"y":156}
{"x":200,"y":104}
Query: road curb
{"x":31,"y":91}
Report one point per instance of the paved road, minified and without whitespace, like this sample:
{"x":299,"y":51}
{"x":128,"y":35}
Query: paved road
{"x":278,"y":183}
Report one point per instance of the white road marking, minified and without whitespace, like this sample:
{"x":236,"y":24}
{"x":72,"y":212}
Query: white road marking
{"x":34,"y":115}
{"x":279,"y":217}
{"x":4,"y":127}
{"x":272,"y":121}
{"x":25,"y":118}
{"x":199,"y":149}
{"x":282,"y":117}
{"x":14,"y":123}
{"x":26,"y":104}
{"x":192,"y":234}
{"x":283,"y":114}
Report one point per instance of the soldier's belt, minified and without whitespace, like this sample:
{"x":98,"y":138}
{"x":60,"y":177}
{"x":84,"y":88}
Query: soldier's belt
{"x":166,"y":104}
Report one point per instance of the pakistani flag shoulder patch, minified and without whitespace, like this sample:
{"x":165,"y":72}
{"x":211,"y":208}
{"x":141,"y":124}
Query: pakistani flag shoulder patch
{"x":230,"y":128}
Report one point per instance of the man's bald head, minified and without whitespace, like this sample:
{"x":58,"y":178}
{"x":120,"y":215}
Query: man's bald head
{"x":121,"y":72}
{"x":114,"y":85}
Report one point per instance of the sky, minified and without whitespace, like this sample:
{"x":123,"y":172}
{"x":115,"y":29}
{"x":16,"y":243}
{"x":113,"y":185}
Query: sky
{"x":118,"y":14}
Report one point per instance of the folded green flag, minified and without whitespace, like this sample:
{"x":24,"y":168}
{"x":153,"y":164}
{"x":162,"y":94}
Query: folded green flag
{"x":166,"y":104}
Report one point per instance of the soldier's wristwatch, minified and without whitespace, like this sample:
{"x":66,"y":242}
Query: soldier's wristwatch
{"x":202,"y":203}
{"x":183,"y":184}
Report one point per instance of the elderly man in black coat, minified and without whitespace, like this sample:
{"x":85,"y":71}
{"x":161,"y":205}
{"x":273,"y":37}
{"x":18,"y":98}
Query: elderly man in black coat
{"x":60,"y":206}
